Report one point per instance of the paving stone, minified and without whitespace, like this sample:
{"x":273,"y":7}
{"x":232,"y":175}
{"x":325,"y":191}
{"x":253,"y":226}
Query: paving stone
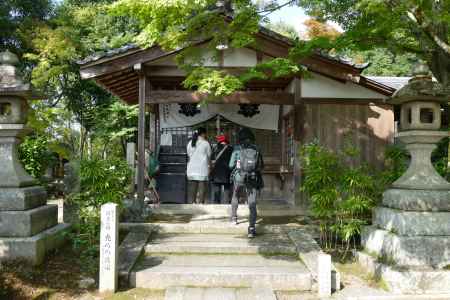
{"x":219,"y":294}
{"x":27,"y":223}
{"x":186,"y":293}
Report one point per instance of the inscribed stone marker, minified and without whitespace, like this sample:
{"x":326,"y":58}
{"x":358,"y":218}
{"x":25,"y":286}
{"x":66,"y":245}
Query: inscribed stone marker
{"x":109,"y":243}
{"x":324,"y":275}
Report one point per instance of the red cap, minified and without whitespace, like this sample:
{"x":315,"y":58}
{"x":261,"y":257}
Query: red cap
{"x":221,"y":138}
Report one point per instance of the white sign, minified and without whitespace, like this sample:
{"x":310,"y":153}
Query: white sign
{"x":109,"y":244}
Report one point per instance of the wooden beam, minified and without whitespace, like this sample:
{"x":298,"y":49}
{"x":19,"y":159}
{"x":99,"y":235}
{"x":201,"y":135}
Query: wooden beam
{"x":133,"y":85}
{"x":242,"y":97}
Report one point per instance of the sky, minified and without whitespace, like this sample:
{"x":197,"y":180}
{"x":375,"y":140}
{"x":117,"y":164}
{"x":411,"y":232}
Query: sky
{"x":292,"y":15}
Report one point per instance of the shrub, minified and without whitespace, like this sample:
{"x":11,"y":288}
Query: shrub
{"x":35,"y":156}
{"x":101,"y":181}
{"x":439,"y":158}
{"x":396,"y":162}
{"x":341,"y":195}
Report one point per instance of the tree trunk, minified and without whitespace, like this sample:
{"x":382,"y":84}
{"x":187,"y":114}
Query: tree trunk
{"x":440,"y":67}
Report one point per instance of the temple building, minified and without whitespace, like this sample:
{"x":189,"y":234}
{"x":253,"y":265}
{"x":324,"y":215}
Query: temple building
{"x":333,"y":105}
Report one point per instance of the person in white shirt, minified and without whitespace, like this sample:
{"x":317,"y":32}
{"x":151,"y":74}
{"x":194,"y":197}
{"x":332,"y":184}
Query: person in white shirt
{"x":199,"y":153}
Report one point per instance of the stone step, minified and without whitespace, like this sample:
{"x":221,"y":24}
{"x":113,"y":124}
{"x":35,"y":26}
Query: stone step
{"x":221,"y":226}
{"x":219,"y":260}
{"x":190,"y":293}
{"x":278,"y":278}
{"x":265,"y":208}
{"x":221,"y":244}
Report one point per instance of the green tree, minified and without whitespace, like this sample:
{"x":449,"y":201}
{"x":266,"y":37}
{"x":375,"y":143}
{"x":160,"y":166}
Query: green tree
{"x":78,"y":28}
{"x":403,"y":26}
{"x":17,"y":17}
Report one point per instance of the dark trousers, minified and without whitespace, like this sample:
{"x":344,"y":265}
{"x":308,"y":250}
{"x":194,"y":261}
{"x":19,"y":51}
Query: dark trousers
{"x":251,"y":198}
{"x":221,"y":193}
{"x":194,"y":187}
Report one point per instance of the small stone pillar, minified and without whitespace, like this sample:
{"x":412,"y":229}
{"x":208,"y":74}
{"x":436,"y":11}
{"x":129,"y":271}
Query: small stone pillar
{"x":324,"y":275}
{"x":412,"y":226}
{"x":28,"y":227}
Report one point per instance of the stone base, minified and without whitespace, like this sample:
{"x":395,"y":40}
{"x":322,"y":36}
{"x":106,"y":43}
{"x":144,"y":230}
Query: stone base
{"x":22,"y":198}
{"x":417,"y":200}
{"x":29,"y":222}
{"x":412,"y":223}
{"x":33,"y":249}
{"x":407,"y":280}
{"x":432,"y":251}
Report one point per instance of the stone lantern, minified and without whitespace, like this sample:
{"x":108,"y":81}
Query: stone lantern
{"x":28,"y":226}
{"x":411,"y":228}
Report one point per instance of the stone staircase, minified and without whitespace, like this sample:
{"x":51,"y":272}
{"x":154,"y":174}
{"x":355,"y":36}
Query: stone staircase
{"x":213,"y":258}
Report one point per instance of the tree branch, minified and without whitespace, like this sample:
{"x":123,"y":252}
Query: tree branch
{"x":428,"y":30}
{"x":272,"y":9}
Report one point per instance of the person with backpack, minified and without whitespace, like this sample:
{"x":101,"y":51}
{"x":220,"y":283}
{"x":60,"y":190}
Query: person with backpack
{"x":199,"y":153}
{"x":247,"y":164}
{"x":220,"y":173}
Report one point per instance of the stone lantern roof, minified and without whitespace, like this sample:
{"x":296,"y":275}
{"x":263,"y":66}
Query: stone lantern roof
{"x":11,"y":82}
{"x":421,"y":87}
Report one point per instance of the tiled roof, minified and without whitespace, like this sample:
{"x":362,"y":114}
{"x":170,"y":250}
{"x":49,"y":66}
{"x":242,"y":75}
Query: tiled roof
{"x":393,"y":82}
{"x":110,"y":53}
{"x":132,"y":47}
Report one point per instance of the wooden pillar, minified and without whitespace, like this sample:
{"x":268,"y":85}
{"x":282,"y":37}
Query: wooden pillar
{"x":299,"y":123}
{"x":143,"y":88}
{"x":299,"y":110}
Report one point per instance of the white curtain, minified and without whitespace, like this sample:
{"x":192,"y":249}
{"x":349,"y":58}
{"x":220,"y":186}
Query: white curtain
{"x":267,"y":118}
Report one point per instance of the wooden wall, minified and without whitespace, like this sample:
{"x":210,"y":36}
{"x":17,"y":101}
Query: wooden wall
{"x":368,"y":127}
